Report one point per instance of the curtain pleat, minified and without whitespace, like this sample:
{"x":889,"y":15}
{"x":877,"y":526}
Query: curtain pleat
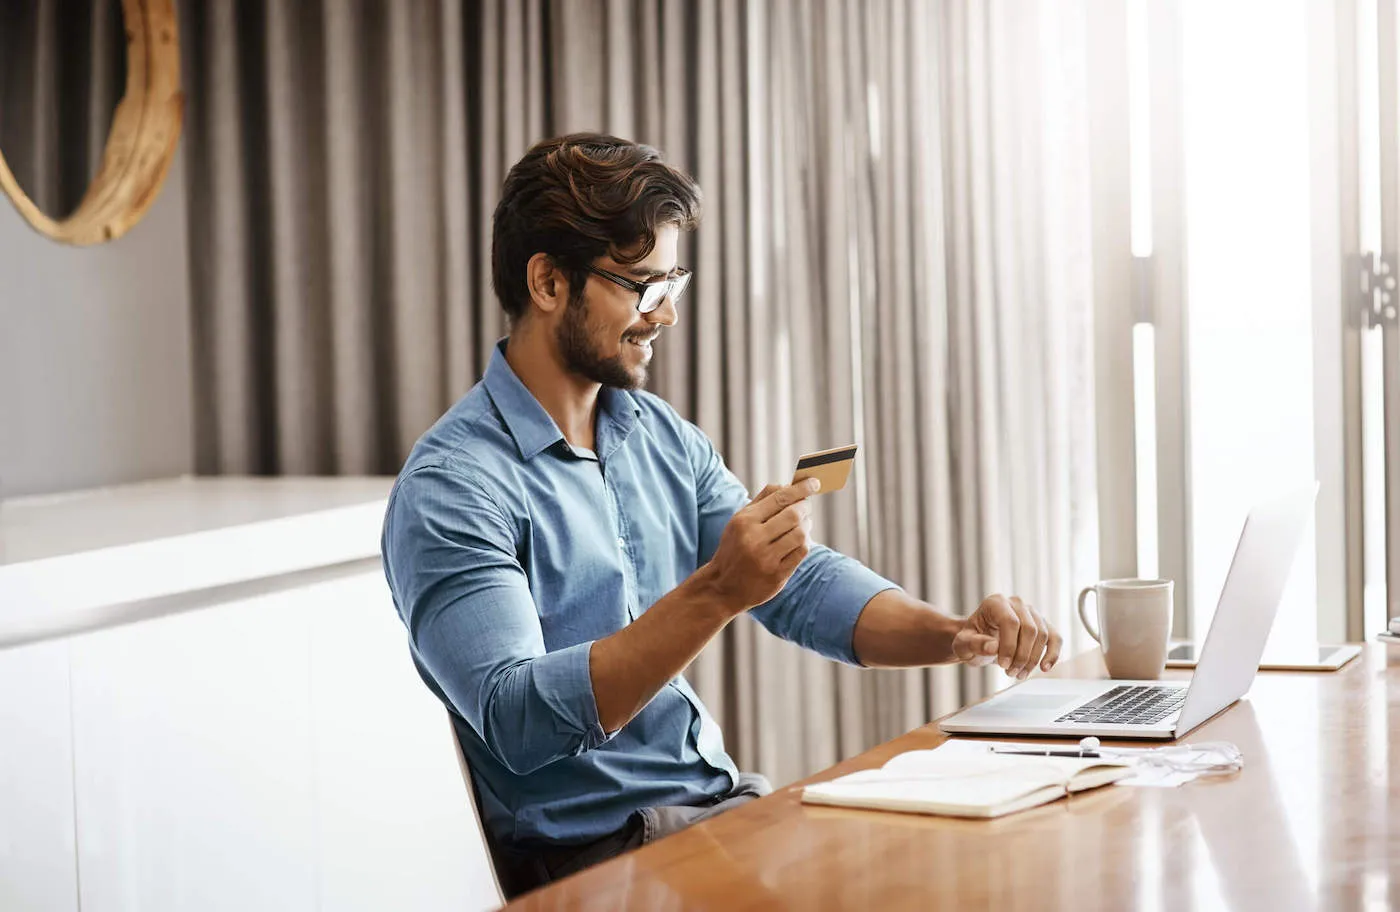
{"x":62,"y":74}
{"x":349,"y":239}
{"x":894,"y":253}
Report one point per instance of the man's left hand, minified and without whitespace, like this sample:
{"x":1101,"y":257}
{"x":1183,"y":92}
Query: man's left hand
{"x":1009,"y":632}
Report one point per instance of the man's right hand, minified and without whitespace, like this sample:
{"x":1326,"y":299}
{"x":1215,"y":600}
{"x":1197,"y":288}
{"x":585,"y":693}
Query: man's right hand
{"x":762,"y":545}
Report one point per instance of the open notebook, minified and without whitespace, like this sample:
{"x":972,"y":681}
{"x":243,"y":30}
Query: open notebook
{"x":965,"y":785}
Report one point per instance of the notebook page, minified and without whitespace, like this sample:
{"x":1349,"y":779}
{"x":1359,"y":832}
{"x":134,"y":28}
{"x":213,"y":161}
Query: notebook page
{"x":1065,"y":769}
{"x":945,"y":784}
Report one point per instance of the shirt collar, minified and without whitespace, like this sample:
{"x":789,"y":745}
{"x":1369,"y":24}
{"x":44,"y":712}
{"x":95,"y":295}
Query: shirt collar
{"x":617,"y":415}
{"x":530,"y":425}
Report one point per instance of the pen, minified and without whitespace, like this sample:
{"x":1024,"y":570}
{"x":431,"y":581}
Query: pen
{"x":1049,"y":753}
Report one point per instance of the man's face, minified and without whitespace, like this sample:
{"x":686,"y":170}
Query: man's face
{"x":602,"y":336}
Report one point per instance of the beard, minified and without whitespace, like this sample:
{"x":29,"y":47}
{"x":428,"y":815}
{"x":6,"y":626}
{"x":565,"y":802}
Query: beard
{"x":581,"y":355}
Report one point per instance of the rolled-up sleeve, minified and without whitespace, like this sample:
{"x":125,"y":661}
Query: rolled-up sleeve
{"x":451,"y":561}
{"x":819,"y":606}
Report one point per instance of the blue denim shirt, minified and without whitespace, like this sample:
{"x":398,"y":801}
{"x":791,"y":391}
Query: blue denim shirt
{"x":509,"y":552}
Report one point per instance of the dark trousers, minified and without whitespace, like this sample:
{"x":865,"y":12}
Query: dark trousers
{"x":523,"y":868}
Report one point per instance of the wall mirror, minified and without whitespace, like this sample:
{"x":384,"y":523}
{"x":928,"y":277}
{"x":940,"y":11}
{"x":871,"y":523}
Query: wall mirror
{"x":90,"y":112}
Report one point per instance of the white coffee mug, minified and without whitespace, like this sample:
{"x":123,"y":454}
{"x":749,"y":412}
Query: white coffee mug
{"x":1136,"y":620}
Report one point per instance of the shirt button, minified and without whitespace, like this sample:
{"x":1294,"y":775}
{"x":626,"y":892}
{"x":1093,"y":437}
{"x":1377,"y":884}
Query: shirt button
{"x":621,"y":545}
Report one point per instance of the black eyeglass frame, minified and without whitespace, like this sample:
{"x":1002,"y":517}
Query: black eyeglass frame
{"x":674,"y":286}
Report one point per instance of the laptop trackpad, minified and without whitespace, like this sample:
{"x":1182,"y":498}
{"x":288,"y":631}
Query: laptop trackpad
{"x":1019,"y":704}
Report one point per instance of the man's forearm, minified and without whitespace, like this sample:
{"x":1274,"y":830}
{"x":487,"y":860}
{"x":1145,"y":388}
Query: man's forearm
{"x":897,"y":631}
{"x":629,"y":667}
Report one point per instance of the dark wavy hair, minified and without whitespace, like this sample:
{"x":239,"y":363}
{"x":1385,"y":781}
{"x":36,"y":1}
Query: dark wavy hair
{"x":577,"y":198}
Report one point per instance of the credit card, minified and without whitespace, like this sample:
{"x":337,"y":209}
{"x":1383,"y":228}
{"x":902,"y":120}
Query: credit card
{"x":831,"y":467}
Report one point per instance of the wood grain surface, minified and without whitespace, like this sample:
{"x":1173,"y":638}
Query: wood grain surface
{"x":1312,"y":822}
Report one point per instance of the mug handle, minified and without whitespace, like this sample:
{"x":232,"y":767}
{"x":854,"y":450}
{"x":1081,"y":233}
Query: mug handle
{"x":1093,"y":631}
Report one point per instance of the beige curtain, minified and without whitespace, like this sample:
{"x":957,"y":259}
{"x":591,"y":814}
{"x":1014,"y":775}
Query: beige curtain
{"x":62,"y":72}
{"x":895,"y":252}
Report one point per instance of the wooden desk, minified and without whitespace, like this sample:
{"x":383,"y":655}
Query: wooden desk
{"x":1313,"y":822}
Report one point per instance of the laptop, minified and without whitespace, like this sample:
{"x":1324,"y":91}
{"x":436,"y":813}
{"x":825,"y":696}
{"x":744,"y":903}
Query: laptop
{"x":1164,"y":710}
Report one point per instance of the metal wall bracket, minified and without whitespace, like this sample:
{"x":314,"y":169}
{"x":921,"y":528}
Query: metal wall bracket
{"x":1379,"y":298}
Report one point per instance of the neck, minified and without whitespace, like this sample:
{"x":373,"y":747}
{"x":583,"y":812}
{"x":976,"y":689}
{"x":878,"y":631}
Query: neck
{"x":571,"y":400}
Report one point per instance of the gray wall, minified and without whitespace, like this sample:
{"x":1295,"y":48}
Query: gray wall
{"x":95,"y":353}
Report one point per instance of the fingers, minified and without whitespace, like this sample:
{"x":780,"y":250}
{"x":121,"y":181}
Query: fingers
{"x":766,"y":506}
{"x":797,"y":516}
{"x":1026,"y":641}
{"x":1007,"y":623}
{"x":1052,"y":650}
{"x":1024,"y":638}
{"x":789,"y":563}
{"x":791,"y":547}
{"x":981,"y":650}
{"x":763,"y":544}
{"x":1042,"y":639}
{"x":767,"y":489}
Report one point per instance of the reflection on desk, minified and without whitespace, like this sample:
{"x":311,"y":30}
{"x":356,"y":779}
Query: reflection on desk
{"x":1306,"y":825}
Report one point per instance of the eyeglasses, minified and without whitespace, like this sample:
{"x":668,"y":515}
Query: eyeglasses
{"x":650,"y":294}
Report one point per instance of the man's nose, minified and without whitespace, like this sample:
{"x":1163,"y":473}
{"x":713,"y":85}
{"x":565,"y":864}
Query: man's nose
{"x":664,"y":314}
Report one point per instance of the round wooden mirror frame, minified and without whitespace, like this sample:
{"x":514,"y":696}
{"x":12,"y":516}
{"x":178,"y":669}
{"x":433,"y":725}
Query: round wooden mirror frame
{"x":141,"y":145}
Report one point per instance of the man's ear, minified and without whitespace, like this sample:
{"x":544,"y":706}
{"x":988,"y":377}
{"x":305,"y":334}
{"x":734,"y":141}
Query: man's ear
{"x":549,"y":289}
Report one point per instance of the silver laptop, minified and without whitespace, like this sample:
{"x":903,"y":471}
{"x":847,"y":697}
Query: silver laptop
{"x":1158,"y":709}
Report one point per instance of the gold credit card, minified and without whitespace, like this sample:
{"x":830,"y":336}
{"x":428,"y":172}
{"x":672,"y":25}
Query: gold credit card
{"x":831,"y":467}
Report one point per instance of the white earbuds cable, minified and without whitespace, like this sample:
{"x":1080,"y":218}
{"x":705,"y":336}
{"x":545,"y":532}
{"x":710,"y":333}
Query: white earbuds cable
{"x":1208,"y":758}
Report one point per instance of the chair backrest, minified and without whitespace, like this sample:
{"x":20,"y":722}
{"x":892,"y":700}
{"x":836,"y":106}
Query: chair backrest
{"x":487,"y":844}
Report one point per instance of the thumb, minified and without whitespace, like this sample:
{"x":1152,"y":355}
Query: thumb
{"x":976,"y":648}
{"x":984,"y":650}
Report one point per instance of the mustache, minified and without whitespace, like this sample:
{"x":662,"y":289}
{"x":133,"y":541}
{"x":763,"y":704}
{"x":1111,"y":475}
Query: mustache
{"x":644,"y":336}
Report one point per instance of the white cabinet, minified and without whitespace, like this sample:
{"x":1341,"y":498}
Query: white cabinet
{"x":260,"y":740}
{"x":38,"y":868}
{"x":192,"y":740}
{"x":274,"y":753}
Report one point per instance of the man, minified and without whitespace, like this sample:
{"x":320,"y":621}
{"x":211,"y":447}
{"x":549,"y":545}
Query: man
{"x":561,"y":544}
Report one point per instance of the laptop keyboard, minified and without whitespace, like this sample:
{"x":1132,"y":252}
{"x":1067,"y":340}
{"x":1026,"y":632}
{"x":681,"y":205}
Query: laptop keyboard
{"x":1129,"y":704}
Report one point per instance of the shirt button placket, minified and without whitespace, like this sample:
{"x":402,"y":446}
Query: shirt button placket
{"x":615,"y":512}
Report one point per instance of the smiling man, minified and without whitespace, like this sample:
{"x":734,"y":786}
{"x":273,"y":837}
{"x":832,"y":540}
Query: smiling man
{"x":561,"y":544}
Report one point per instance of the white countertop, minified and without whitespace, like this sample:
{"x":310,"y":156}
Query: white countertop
{"x":35,"y":528}
{"x":87,"y":559}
